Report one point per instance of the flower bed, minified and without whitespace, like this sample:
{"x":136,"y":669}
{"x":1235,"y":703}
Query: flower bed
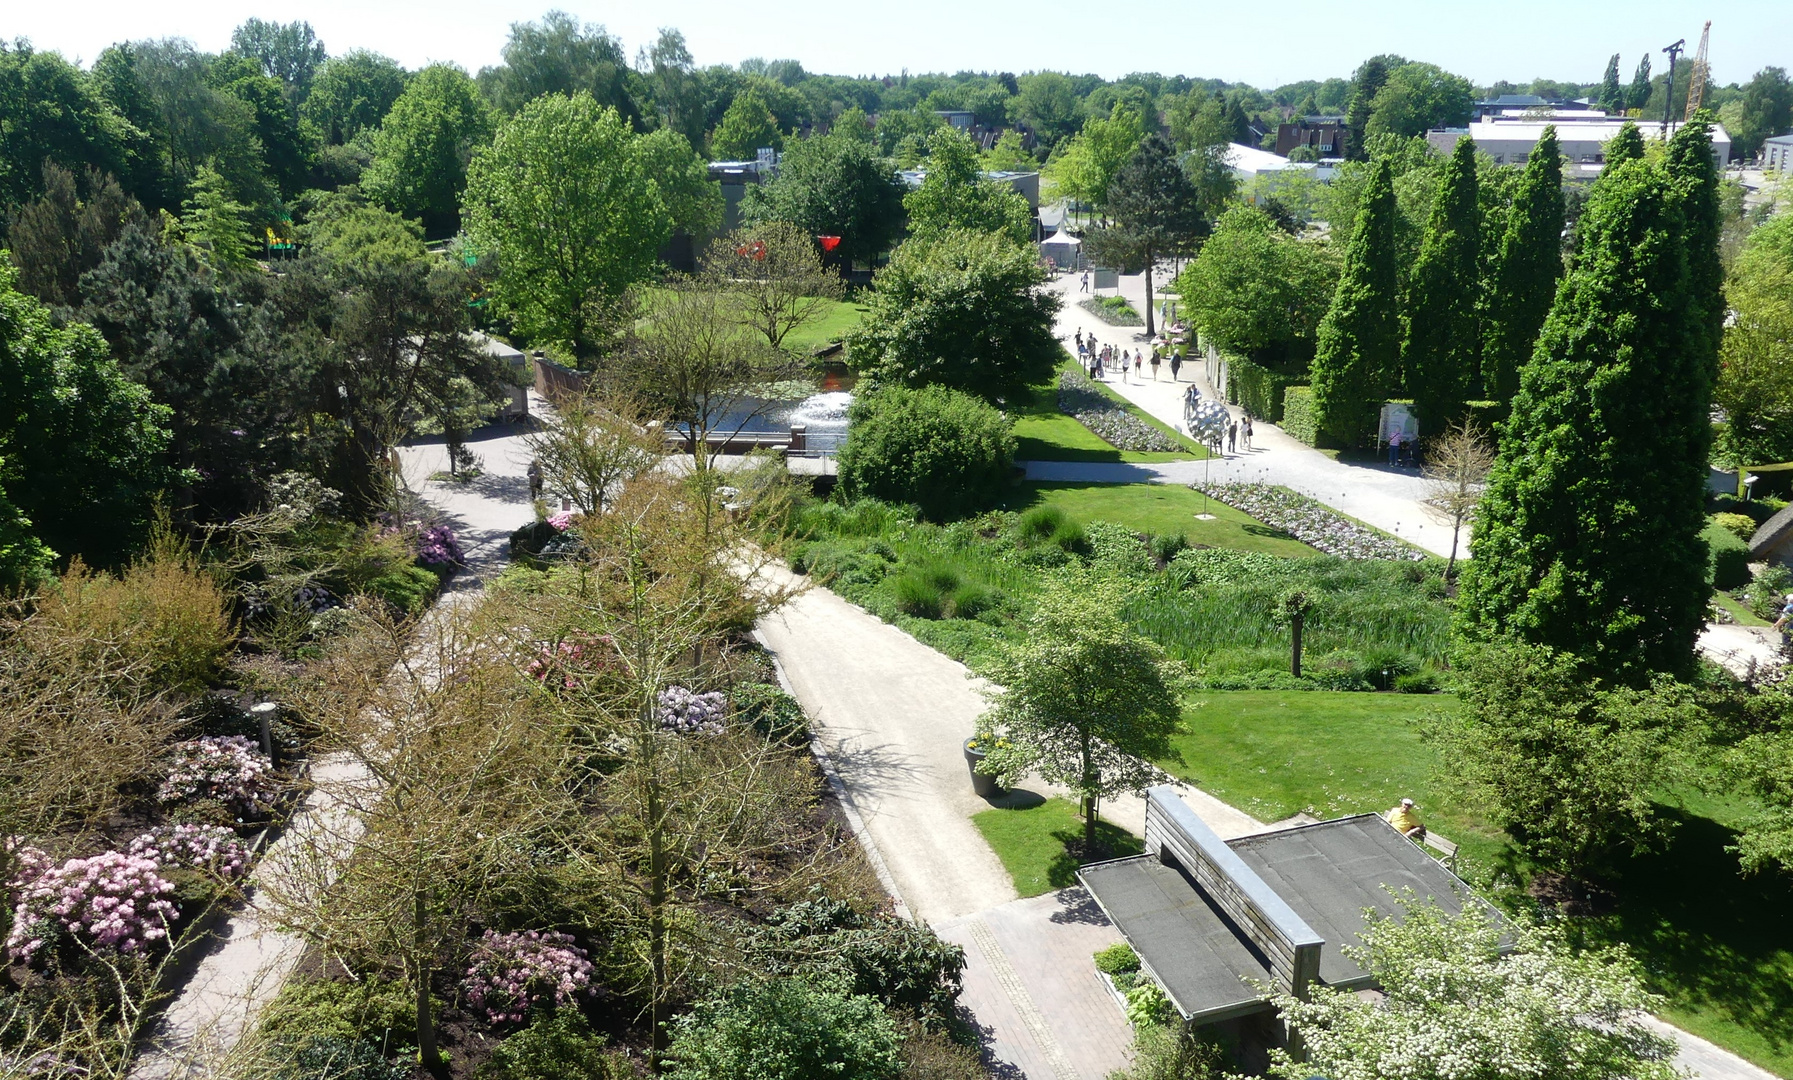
{"x":1311,"y":522}
{"x":212,"y":849}
{"x":228,"y":768}
{"x":512,"y":973}
{"x":1113,"y":310}
{"x":110,"y":901}
{"x":1080,"y":398}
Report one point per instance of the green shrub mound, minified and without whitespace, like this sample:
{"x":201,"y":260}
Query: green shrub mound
{"x":1116,"y":959}
{"x":941,"y":450}
{"x":785,"y":1029}
{"x":559,"y":1046}
{"x":1728,"y":552}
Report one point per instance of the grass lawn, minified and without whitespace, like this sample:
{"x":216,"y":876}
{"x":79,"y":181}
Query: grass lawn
{"x":1159,"y":509}
{"x":837,"y":318}
{"x":1042,"y":433}
{"x":1738,"y":610}
{"x":1035,"y":842}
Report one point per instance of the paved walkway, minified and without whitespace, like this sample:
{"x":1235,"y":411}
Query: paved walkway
{"x":1389,"y":498}
{"x":250,"y":957}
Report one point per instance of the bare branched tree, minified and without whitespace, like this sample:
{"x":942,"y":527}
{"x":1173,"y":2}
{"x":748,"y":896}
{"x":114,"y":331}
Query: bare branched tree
{"x":1456,"y":472}
{"x":593,"y":445}
{"x":774,"y":274}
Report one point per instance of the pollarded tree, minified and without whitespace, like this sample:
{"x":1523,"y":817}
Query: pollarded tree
{"x":963,"y":310}
{"x":1442,"y":349}
{"x":955,"y":195}
{"x":1526,"y":270}
{"x":1156,"y":212}
{"x":1085,"y":701}
{"x":1588,"y":538}
{"x":1359,"y":343}
{"x":423,"y":145}
{"x":561,"y":196}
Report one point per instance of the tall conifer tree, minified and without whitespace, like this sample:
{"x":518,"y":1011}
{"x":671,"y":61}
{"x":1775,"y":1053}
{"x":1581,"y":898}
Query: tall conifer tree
{"x":1588,"y":539}
{"x":1442,"y":349}
{"x":1693,"y":172}
{"x":1526,"y":270}
{"x":1627,"y":145}
{"x":1612,"y":93}
{"x":1358,"y":347}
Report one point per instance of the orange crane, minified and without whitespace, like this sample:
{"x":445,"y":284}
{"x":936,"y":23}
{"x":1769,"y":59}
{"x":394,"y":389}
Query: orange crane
{"x":1696,"y":78}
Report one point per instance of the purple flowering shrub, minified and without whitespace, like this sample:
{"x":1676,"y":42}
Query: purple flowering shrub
{"x":112,"y":901}
{"x":437,"y":547}
{"x":229,"y":768}
{"x":689,"y":713}
{"x":211,"y":849}
{"x":512,"y":973}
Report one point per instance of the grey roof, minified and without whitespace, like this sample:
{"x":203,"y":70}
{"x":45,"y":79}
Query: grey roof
{"x":1771,"y":533}
{"x":1196,"y":952}
{"x":1331,"y":871}
{"x":1781,"y":140}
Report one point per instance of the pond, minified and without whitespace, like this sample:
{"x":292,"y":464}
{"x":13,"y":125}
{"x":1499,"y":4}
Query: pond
{"x":824,"y":414}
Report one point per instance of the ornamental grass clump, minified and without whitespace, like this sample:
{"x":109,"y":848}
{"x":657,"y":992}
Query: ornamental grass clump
{"x":229,"y":769}
{"x":112,"y":901}
{"x":688,"y":713}
{"x":513,"y":973}
{"x":212,"y":849}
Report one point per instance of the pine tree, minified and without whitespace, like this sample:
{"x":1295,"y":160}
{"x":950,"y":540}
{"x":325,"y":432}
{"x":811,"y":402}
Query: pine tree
{"x":1588,"y":537}
{"x":1359,"y":343}
{"x":1156,"y":212}
{"x":1627,"y":145}
{"x":1612,"y":95}
{"x":1526,"y":270}
{"x":1442,"y":350}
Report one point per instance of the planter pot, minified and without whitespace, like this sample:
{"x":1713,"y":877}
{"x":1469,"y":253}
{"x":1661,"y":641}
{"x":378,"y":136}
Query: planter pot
{"x":984,"y":785}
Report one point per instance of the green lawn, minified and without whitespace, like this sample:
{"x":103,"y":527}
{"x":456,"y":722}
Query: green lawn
{"x":1159,"y":509}
{"x":1042,"y":433}
{"x":1717,"y":945}
{"x":1034,"y":840}
{"x":1738,"y":609}
{"x":837,"y":318}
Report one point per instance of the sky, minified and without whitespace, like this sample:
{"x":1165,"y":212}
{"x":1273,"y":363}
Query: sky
{"x":1265,"y":45}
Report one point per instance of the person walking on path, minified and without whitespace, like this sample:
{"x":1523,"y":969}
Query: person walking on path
{"x":1232,"y":437}
{"x":1245,"y":430}
{"x":1080,"y":339}
{"x":1176,"y":363}
{"x":1394,"y":448}
{"x":1155,"y":361}
{"x":1084,"y":286}
{"x":1138,"y":359}
{"x":535,"y":481}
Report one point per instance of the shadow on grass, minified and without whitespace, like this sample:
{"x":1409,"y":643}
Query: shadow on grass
{"x":1709,"y":938}
{"x":1112,"y":842}
{"x":1268,"y":531}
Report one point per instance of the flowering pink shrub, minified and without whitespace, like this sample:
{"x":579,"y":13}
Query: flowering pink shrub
{"x":512,"y":973}
{"x":112,"y":901}
{"x":689,"y":713}
{"x":561,"y":521}
{"x":228,"y":768}
{"x":211,"y":848}
{"x":437,"y":546}
{"x":559,"y":665}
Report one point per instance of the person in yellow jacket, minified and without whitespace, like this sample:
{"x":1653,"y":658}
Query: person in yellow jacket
{"x":1406,"y":821}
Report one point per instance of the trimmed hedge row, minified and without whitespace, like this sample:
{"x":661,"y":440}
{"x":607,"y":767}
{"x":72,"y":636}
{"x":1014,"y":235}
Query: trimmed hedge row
{"x":1256,"y":388}
{"x":1729,"y":556}
{"x":1298,"y":415}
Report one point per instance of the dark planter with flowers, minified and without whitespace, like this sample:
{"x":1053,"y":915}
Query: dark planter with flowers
{"x":983,"y":784}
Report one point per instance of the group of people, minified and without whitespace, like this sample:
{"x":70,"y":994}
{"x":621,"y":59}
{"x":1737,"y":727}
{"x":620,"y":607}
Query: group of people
{"x":1401,"y":448}
{"x":1099,"y":360}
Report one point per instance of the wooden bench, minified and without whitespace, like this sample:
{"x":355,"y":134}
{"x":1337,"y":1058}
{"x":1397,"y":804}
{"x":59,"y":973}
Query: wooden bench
{"x":1444,"y":847}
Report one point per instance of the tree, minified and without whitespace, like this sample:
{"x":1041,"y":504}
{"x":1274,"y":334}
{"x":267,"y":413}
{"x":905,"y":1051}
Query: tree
{"x":1763,"y":764}
{"x":1417,"y":98}
{"x":1468,"y":994}
{"x":53,"y":113}
{"x":1526,"y":270}
{"x":776,"y":276}
{"x":697,"y":360}
{"x":1755,"y":380}
{"x":946,"y":452}
{"x":1441,"y":351}
{"x":954,"y":194}
{"x":1009,"y":154}
{"x":1588,"y":537}
{"x":1156,"y":211}
{"x":352,"y":93}
{"x":1637,"y":95}
{"x":1566,"y":765}
{"x":693,"y":201}
{"x":1258,"y":291}
{"x":215,"y":225}
{"x":1085,"y":701}
{"x":1359,"y":341}
{"x":1457,"y":465}
{"x":1084,"y":169}
{"x":833,"y":185}
{"x":1692,"y":172}
{"x":677,"y":91}
{"x":561,"y":196}
{"x":1612,"y":92}
{"x":963,"y":310}
{"x":1048,"y":104}
{"x":81,"y":446}
{"x":289,"y":52}
{"x":592,"y":445}
{"x":785,"y":1029}
{"x":1767,"y":110}
{"x":559,"y":55}
{"x":1369,"y":79}
{"x":61,"y":236}
{"x":1627,"y":145}
{"x":747,"y":127}
{"x":423,"y":146}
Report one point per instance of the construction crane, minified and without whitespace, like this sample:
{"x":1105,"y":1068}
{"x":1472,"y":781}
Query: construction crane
{"x":1668,"y":103}
{"x":1697,"y":75}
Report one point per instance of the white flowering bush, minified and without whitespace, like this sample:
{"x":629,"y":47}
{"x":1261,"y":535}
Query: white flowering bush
{"x":1080,"y":398}
{"x":512,"y":973}
{"x":228,"y":768}
{"x":212,"y":849}
{"x":1311,"y":522}
{"x":114,"y":901}
{"x":689,"y":713}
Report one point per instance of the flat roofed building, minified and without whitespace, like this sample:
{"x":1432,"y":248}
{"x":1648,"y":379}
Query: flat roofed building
{"x":1777,"y":154}
{"x":1581,"y":136}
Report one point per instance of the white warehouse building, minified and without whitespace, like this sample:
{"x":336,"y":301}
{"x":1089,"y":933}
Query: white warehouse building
{"x":1581,"y":137}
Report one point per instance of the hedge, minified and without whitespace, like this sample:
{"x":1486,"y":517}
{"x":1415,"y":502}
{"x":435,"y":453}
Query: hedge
{"x":1298,"y":415}
{"x":1729,"y":556}
{"x":1255,"y":387}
